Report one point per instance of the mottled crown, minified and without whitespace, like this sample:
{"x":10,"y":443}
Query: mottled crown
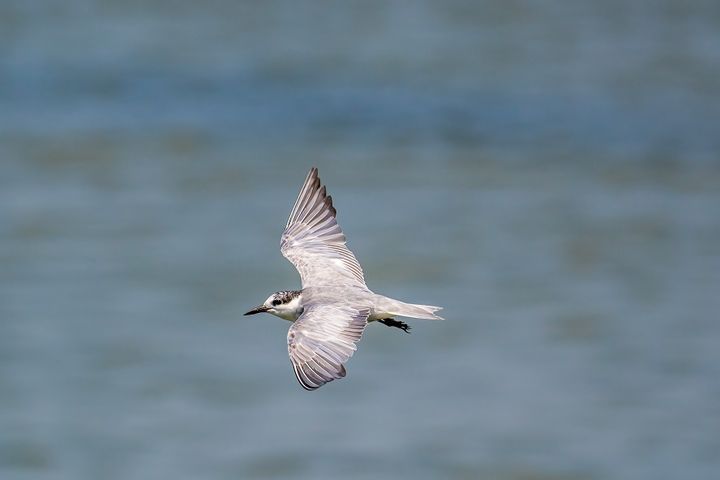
{"x":284,"y":296}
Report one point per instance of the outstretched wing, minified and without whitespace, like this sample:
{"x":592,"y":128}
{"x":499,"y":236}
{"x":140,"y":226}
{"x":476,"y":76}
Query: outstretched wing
{"x":314,"y":242}
{"x":321,"y":340}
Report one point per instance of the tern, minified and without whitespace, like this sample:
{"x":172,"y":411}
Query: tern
{"x":334,"y":306}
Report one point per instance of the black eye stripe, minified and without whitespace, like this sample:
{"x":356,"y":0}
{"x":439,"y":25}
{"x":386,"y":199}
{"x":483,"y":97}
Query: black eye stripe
{"x":284,"y":297}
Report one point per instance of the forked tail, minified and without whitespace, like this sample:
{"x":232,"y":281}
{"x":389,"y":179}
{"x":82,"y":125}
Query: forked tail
{"x":396,"y":307}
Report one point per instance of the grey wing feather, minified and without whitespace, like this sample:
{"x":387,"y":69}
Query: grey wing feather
{"x":314,"y":242}
{"x":321,"y":340}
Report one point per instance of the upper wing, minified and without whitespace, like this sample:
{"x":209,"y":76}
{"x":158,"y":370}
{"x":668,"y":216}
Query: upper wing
{"x":314,"y":242}
{"x":321,"y":340}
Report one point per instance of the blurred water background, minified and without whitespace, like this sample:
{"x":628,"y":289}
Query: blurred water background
{"x":547,"y":171}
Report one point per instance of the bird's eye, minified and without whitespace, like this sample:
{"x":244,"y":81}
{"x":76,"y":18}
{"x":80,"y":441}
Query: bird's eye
{"x":275,"y":303}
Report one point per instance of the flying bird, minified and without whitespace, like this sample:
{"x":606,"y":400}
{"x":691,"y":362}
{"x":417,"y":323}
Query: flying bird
{"x":334,"y":306}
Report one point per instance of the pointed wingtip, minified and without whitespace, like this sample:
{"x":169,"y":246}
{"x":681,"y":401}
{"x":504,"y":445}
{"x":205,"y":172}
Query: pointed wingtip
{"x":312,"y":178}
{"x":313,"y":173}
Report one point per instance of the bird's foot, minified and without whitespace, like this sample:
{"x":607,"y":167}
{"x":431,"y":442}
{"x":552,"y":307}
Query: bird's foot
{"x":391,"y":322}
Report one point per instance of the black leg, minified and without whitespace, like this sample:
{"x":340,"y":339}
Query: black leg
{"x":391,"y":322}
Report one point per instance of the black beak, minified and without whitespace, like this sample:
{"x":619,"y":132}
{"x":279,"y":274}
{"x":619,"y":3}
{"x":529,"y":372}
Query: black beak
{"x":260,"y":309}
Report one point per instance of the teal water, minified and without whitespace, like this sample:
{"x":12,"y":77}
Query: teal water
{"x":547,"y":172}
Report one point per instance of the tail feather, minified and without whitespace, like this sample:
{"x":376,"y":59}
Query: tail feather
{"x":396,"y":307}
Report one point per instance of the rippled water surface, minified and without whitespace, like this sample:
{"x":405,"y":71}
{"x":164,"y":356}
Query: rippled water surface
{"x":548,"y":172}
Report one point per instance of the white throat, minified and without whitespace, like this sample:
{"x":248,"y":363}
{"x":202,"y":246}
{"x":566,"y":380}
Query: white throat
{"x":288,"y":311}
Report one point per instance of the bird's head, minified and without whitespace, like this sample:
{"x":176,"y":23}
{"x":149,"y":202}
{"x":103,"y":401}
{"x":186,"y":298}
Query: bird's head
{"x":284,"y":304}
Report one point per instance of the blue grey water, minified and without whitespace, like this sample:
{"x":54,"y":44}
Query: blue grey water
{"x":547,"y":171}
